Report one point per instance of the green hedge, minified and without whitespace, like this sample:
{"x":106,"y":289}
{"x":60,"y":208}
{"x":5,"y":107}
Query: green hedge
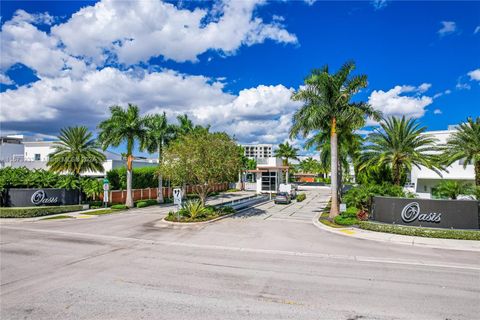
{"x":301,"y":197}
{"x":119,"y":206}
{"x":29,"y":212}
{"x":146,"y":203}
{"x":142,"y":178}
{"x":421,"y":232}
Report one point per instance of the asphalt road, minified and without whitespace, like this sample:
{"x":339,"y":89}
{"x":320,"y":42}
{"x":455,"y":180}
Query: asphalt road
{"x":269,"y":262}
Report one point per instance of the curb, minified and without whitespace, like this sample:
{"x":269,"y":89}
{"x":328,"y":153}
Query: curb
{"x":411,"y":241}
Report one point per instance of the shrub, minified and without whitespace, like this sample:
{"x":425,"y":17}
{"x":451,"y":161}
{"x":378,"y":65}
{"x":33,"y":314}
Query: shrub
{"x":142,"y":204}
{"x":225,"y":210}
{"x":301,"y":197}
{"x":145,"y":203}
{"x":29,"y":212}
{"x":361,"y":196}
{"x":119,"y":206}
{"x":194,"y":209}
{"x":142,"y":178}
{"x":345,"y":220}
{"x":421,"y":232}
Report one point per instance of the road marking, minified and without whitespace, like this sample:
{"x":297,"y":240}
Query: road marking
{"x":347,"y":231}
{"x":254,"y":250}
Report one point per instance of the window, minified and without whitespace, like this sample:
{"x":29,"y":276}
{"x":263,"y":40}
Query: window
{"x":37,"y":156}
{"x":269,"y":181}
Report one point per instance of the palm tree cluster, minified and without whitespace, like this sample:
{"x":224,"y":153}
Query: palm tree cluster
{"x":329,"y":121}
{"x":77,"y":153}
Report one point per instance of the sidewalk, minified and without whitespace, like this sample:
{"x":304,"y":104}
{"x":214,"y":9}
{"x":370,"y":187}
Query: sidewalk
{"x":451,"y":244}
{"x":160,"y":209}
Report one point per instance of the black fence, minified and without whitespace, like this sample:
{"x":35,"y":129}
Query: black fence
{"x":39,"y":197}
{"x":457,"y":214}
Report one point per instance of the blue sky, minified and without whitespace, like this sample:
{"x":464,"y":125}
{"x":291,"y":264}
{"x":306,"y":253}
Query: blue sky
{"x":232,"y":65}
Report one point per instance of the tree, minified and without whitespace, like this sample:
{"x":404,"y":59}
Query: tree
{"x":202,"y":159}
{"x":185,"y":125}
{"x":75,"y":153}
{"x":124,"y":125}
{"x":328,"y":108}
{"x":159,"y":134}
{"x":465,"y":144}
{"x":400,"y":144}
{"x":452,"y":189}
{"x":286,"y":151}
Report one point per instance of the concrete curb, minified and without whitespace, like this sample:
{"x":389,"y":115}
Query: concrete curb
{"x":437,"y":243}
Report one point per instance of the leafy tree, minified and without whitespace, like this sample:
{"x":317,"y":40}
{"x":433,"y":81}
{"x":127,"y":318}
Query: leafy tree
{"x":451,"y":189}
{"x":124,"y":125}
{"x":465,"y":144}
{"x":399,"y":145}
{"x":75,"y":152}
{"x":92,"y":187}
{"x":202,"y":159}
{"x":286,"y":151}
{"x":328,"y":108}
{"x":159,"y":135}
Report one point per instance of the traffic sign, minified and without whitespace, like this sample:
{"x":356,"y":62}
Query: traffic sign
{"x":177,"y":196}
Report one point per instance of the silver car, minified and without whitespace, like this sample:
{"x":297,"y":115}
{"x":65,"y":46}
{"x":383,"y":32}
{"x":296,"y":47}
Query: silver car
{"x":282,"y":197}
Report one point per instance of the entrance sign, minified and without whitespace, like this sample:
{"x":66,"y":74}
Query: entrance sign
{"x":177,"y":196}
{"x":39,"y":197}
{"x":25,"y":197}
{"x":460,"y":214}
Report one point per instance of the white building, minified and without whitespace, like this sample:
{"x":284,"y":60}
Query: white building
{"x":423,"y":180}
{"x":267,"y":177}
{"x":10,"y":147}
{"x":35,"y":154}
{"x":256,"y":151}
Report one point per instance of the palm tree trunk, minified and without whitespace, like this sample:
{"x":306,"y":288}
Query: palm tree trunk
{"x":334,"y":168}
{"x":477,"y":173}
{"x":396,"y":174}
{"x":129,"y":200}
{"x":160,"y":178}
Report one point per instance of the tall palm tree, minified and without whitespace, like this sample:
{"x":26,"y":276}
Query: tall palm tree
{"x":124,"y":125}
{"x":159,"y":134}
{"x":75,"y":153}
{"x":399,"y":145}
{"x":286,"y":151}
{"x":185,"y":125}
{"x":465,"y":144}
{"x":328,"y":108}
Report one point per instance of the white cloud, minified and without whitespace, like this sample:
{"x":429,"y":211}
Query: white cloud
{"x":4,"y":79}
{"x":437,"y":111}
{"x":135,"y":31}
{"x":254,"y":115}
{"x":448,"y":27}
{"x":379,"y":4}
{"x":474,"y":75}
{"x":477,"y":30}
{"x":395,"y":102}
{"x":437,"y":95}
{"x":424,"y":87}
{"x":34,"y":18}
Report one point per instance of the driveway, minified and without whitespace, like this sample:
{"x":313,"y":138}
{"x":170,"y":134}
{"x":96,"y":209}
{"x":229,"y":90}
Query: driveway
{"x":269,"y":262}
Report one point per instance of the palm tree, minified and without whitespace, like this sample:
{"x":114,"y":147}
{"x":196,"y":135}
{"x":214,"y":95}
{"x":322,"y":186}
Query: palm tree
{"x":75,"y":153}
{"x":124,"y":125}
{"x":185,"y":125}
{"x":328,"y":108}
{"x":286,"y":151}
{"x":399,"y":145}
{"x":452,"y":189}
{"x":465,"y":144}
{"x":159,"y":134}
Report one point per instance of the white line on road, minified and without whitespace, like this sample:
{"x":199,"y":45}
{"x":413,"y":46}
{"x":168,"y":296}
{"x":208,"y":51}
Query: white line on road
{"x":254,"y":250}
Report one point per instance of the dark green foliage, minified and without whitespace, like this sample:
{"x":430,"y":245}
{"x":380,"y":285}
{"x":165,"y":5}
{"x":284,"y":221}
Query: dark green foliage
{"x":145,"y":177}
{"x":421,"y":232}
{"x":145,"y":203}
{"x":451,"y":189}
{"x":301,"y":197}
{"x":204,"y":214}
{"x":29,"y":212}
{"x":361,"y":196}
{"x":347,"y":218}
{"x":119,"y":207}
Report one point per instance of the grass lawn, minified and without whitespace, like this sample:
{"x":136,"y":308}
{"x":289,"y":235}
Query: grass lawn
{"x":58,"y":217}
{"x":103,"y":211}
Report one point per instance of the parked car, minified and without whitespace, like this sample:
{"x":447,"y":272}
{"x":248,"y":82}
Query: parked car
{"x":282,"y":197}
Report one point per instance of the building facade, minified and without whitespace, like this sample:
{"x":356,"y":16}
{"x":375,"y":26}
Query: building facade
{"x":423,"y":180}
{"x":255,"y":151}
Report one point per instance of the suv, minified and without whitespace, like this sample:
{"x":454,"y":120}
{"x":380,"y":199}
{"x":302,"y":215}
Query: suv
{"x":282,"y":197}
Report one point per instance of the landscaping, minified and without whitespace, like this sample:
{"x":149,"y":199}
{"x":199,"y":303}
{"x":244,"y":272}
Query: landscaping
{"x":30,"y":212}
{"x":194,"y":211}
{"x":300,"y":197}
{"x":103,"y":211}
{"x":421,"y":231}
{"x":58,"y":217}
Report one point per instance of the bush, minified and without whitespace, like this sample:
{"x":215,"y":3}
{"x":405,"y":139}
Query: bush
{"x":142,"y":204}
{"x":301,"y":197}
{"x":29,"y":212}
{"x":421,"y":232}
{"x":119,"y":206}
{"x":205,"y":214}
{"x":145,"y":203}
{"x":345,"y":221}
{"x":145,"y":177}
{"x":361,"y":196}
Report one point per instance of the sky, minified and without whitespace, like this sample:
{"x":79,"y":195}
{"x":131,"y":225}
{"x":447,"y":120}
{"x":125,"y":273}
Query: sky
{"x":232,"y":64}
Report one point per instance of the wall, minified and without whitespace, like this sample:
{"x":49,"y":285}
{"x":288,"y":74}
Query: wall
{"x":458,"y":214}
{"x":39,"y":197}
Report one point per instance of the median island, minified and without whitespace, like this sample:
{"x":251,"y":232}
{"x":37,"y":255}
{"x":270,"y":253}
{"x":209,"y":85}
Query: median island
{"x":195,"y":211}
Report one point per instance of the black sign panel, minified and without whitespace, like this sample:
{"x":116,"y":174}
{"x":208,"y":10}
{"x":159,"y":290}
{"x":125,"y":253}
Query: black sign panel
{"x":40,"y":197}
{"x":458,"y":214}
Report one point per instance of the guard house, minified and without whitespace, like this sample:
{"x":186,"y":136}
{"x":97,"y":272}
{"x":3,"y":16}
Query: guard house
{"x":267,"y":177}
